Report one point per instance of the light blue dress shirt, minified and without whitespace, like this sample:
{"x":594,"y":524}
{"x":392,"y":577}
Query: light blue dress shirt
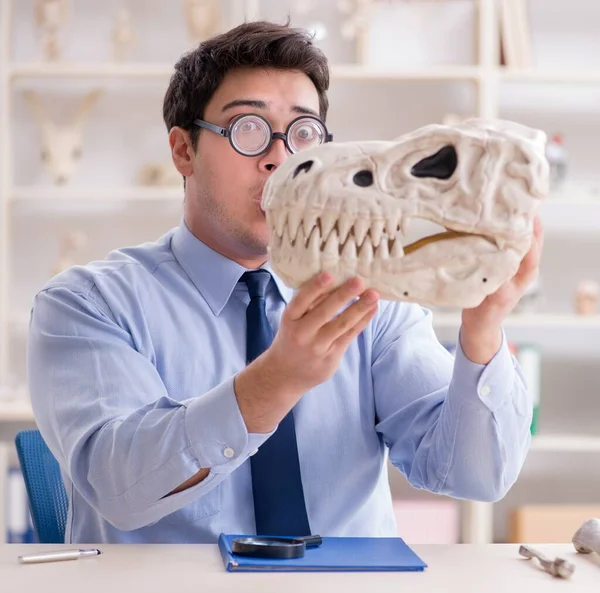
{"x":131,"y":365}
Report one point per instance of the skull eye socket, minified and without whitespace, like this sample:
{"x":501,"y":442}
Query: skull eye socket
{"x":363,"y":178}
{"x":305,"y":166}
{"x":440,"y":165}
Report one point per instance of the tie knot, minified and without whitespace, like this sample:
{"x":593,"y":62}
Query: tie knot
{"x":257,"y":281}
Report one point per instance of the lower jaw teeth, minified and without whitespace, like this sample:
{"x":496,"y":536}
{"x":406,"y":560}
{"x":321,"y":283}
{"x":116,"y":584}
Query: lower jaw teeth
{"x":387,"y":247}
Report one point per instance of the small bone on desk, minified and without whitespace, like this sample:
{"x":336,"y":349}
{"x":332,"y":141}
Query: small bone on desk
{"x":559,"y":567}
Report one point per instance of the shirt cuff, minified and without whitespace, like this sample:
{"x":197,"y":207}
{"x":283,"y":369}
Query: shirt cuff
{"x":217,"y":432}
{"x":492,"y":382}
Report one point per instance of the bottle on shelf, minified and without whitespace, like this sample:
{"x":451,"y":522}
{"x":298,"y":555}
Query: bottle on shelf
{"x":558,"y":157}
{"x":529,"y":357}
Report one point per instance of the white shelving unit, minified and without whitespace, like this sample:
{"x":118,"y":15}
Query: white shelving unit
{"x":51,"y":195}
{"x":567,"y":215}
{"x":529,"y":321}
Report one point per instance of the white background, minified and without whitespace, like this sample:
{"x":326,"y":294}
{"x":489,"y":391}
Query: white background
{"x":126,"y":130}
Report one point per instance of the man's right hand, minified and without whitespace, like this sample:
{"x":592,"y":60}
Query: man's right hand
{"x":306,"y":351}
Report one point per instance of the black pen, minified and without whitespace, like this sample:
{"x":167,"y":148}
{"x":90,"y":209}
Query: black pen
{"x":58,"y":556}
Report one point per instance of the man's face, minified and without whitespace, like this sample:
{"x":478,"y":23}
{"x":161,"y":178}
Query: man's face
{"x":223,"y":198}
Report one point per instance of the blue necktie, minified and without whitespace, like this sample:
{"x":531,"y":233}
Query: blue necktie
{"x":279,"y":505}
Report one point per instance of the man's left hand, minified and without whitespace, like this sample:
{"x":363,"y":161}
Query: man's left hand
{"x":481,"y":329}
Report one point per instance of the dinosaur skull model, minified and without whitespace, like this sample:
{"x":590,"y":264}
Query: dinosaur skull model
{"x":345,"y":207}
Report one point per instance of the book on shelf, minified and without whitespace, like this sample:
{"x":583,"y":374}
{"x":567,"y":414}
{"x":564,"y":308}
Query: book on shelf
{"x":529,"y":357}
{"x":515,"y":34}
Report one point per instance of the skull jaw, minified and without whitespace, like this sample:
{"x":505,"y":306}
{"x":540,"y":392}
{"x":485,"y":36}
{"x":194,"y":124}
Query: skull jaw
{"x":459,"y":272}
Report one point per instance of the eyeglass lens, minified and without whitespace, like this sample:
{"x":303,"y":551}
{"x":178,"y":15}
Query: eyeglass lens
{"x":251,"y":135}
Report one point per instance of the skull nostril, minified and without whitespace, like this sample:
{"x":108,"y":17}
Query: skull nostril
{"x":305,"y":166}
{"x":363,"y":178}
{"x":440,"y":165}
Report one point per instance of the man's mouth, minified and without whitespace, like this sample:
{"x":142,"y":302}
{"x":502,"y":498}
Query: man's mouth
{"x":259,"y":204}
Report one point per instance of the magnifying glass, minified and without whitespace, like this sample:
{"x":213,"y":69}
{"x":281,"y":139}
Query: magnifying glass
{"x":274,"y":547}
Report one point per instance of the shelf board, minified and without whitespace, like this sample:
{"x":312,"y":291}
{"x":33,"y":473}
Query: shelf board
{"x":555,"y":77}
{"x":17,"y":410}
{"x":565,"y":442}
{"x":567,"y":212}
{"x":90,"y":70}
{"x":439,"y":73}
{"x":26,"y":194}
{"x":164,"y":71}
{"x":338,"y":72}
{"x":442,"y":320}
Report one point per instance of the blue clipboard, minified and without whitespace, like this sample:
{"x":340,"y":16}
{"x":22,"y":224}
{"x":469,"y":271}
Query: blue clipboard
{"x":336,"y":554}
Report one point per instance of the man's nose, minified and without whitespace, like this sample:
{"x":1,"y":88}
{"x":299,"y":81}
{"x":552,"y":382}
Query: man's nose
{"x":275,"y":156}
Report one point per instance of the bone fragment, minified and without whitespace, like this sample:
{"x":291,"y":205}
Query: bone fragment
{"x":559,"y":567}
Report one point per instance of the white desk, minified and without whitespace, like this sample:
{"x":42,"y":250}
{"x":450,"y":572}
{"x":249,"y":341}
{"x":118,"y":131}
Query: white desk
{"x":174,"y":568}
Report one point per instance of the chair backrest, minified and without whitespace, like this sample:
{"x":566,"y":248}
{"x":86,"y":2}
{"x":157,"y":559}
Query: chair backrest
{"x":48,"y":499}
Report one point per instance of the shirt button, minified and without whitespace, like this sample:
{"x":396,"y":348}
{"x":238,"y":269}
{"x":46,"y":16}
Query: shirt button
{"x":228,"y":452}
{"x":253,"y":452}
{"x":485,"y":390}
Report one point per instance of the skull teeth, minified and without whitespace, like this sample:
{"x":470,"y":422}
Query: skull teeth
{"x":383,"y":251}
{"x":361,"y":227}
{"x":405,"y":225}
{"x":293,"y":223}
{"x":500,"y":243}
{"x":376,"y":231}
{"x":397,"y":250}
{"x":343,"y":235}
{"x":328,"y":220}
{"x":391,"y":224}
{"x":345,"y":222}
{"x":309,"y":221}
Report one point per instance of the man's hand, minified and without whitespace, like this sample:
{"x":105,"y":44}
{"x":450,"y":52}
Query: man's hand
{"x":480,"y":333}
{"x":306,"y":351}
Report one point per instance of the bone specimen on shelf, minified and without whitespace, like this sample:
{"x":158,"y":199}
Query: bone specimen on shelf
{"x":50,"y":16}
{"x":587,"y":295}
{"x":348,"y":207}
{"x":62,"y":144}
{"x":358,"y":14}
{"x":454,"y":119}
{"x":159,"y":174}
{"x":203,"y":17}
{"x":124,"y":37}
{"x":303,"y":7}
{"x":70,"y":244}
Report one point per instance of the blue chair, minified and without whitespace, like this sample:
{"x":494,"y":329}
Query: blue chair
{"x":48,"y":499}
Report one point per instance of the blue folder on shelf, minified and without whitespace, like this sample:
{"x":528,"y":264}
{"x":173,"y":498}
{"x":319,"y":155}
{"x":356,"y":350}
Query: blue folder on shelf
{"x":335,"y":554}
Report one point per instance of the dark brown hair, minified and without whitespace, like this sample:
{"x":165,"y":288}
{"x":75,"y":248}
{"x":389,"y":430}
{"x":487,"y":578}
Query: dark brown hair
{"x":256,"y":44}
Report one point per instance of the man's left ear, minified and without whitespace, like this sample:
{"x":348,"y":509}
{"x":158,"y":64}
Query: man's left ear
{"x":182,"y":152}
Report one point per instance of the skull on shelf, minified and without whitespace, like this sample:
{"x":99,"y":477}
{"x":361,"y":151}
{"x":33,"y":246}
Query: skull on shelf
{"x":61,"y":143}
{"x":587,"y":295}
{"x":346,"y":208}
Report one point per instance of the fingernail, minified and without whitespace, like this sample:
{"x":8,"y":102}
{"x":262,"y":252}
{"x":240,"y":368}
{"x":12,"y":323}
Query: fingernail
{"x":371,"y":298}
{"x":325,"y":278}
{"x":355,"y":283}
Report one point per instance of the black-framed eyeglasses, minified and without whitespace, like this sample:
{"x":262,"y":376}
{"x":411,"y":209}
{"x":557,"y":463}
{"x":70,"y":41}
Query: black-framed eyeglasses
{"x":251,"y":134}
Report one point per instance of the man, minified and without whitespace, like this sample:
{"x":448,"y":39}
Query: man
{"x":172,"y":425}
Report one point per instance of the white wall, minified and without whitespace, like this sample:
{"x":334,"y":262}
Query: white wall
{"x":126,"y":130}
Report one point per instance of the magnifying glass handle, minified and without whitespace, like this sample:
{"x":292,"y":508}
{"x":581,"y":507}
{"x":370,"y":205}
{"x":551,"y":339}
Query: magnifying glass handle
{"x":311,"y":541}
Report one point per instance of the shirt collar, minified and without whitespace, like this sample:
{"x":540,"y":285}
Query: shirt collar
{"x":213,"y":274}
